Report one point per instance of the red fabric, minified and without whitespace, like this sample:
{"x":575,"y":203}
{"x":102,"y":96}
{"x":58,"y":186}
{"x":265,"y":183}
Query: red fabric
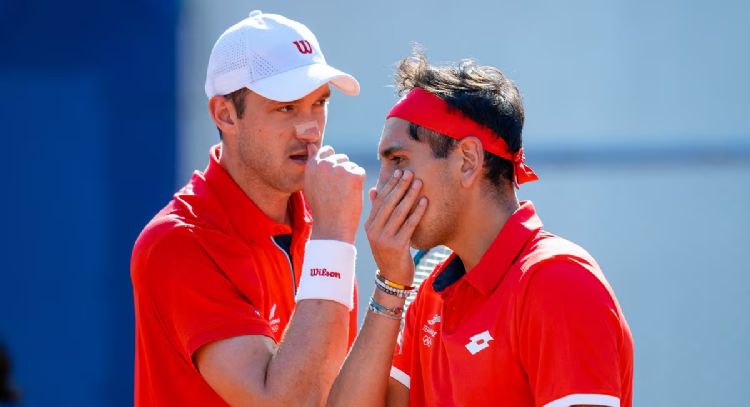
{"x":539,"y":315}
{"x":431,"y":112}
{"x":204,"y":269}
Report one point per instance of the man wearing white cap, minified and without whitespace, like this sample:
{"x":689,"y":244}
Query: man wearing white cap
{"x":239,"y":299}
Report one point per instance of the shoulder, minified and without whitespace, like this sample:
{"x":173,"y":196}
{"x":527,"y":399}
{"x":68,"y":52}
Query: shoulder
{"x":547,"y":247}
{"x":557,"y":272}
{"x":179,"y":232}
{"x":173,"y":251}
{"x":567,"y":296}
{"x":566,"y":275}
{"x":166,"y":243}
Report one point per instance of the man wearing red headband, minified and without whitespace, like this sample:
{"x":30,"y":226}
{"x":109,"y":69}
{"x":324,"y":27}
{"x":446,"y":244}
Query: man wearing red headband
{"x":516,"y":316}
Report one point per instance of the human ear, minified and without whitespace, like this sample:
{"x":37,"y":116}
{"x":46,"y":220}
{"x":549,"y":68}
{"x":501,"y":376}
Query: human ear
{"x":223,"y":113}
{"x":471,"y":155}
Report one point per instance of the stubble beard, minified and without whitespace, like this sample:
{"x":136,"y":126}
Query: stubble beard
{"x":270,"y":171}
{"x":434,"y":229}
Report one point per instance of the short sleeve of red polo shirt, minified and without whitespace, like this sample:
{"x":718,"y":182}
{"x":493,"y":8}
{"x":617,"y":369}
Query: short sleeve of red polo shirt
{"x":569,"y":337}
{"x":194,"y":301}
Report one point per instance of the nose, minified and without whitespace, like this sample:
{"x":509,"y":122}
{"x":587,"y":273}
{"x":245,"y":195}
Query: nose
{"x":308,"y":131}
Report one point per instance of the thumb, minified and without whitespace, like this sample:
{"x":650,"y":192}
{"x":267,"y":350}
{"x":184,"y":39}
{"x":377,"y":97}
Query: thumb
{"x":373,"y":194}
{"x":312,"y":153}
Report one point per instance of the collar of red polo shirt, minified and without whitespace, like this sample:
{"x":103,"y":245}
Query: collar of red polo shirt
{"x":431,"y":112}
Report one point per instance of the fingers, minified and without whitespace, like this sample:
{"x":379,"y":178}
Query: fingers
{"x":398,"y":210}
{"x":328,"y":155}
{"x":342,"y":160}
{"x":325,"y":152}
{"x":338,"y":158}
{"x":353,"y":168}
{"x":315,"y":153}
{"x":391,"y":198}
{"x":372,"y":194}
{"x":410,"y":225}
{"x":403,"y":208}
{"x":312,"y":151}
{"x":378,"y":196}
{"x":381,"y":195}
{"x":383,"y":192}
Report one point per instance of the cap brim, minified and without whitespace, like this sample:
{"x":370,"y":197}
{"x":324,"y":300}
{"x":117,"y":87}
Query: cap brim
{"x":297,"y":83}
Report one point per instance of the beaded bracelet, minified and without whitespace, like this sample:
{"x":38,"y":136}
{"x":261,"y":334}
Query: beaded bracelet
{"x":392,"y":291}
{"x":392,"y":313}
{"x":375,"y":311}
{"x":392,"y":284}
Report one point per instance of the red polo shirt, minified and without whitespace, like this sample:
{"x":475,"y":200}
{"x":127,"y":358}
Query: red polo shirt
{"x":207,"y":268}
{"x":535,"y":323}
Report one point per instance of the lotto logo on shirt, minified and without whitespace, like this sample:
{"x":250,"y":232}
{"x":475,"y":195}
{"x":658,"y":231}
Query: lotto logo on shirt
{"x":324,"y":273}
{"x":478,"y":342}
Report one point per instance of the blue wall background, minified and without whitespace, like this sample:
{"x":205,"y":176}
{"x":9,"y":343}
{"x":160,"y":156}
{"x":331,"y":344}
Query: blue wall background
{"x":88,"y":130}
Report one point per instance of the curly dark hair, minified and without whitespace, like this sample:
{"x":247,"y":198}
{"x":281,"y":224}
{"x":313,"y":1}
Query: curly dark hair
{"x":482,"y":93}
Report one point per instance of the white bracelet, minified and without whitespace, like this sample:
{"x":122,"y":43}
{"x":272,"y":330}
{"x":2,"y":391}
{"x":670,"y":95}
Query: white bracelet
{"x":328,"y":272}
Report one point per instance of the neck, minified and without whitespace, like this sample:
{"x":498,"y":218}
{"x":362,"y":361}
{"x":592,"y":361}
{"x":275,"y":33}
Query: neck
{"x":480,"y":223}
{"x":270,"y":201}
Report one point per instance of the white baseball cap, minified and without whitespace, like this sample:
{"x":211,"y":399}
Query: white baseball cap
{"x":278,"y":58}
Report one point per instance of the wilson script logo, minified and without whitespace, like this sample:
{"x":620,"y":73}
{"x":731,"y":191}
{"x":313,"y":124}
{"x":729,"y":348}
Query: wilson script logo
{"x":324,"y":273}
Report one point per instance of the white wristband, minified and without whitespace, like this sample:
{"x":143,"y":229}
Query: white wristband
{"x":328,"y":272}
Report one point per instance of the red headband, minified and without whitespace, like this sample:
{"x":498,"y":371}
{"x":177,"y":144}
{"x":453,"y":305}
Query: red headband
{"x":431,"y":112}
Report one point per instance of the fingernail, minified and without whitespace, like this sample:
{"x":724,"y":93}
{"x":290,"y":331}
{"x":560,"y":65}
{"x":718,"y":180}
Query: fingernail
{"x":396,"y":173}
{"x":407,"y":173}
{"x":416,"y":184}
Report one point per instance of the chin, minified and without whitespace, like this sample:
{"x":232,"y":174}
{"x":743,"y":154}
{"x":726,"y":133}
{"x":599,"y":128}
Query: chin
{"x":421,"y":242}
{"x":292,"y":185}
{"x":431,"y":233}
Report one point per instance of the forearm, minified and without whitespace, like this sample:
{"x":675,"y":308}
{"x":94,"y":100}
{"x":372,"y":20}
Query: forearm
{"x":363,"y":380}
{"x":313,"y":348}
{"x":309,"y":355}
{"x":395,"y":213}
